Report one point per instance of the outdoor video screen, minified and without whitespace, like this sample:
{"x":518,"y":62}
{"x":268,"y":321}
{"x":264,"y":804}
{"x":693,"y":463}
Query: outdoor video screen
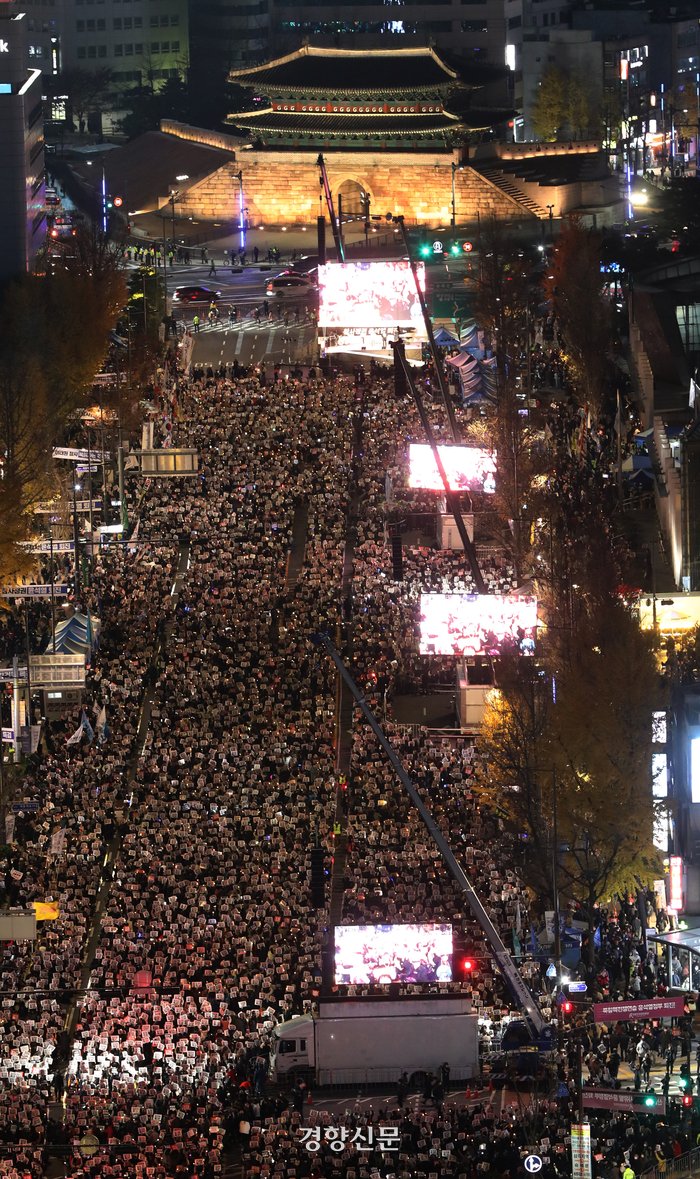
{"x":476,"y":624}
{"x":468,"y":468}
{"x":369,"y":294}
{"x":393,"y":953}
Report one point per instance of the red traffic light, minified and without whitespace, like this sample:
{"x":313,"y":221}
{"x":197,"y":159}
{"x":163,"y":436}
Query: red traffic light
{"x":567,"y":1007}
{"x":468,"y":964}
{"x":687,"y":1100}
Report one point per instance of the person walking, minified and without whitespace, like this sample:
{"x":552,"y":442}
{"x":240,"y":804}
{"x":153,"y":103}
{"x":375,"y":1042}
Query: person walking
{"x":195,"y":324}
{"x":212,"y":269}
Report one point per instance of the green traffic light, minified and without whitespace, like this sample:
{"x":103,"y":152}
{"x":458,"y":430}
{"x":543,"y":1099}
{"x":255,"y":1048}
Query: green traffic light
{"x":650,"y":1100}
{"x":454,"y":248}
{"x":425,"y":251}
{"x":683,"y":1082}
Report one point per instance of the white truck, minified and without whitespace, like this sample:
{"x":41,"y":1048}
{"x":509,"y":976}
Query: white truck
{"x":373,"y":1041}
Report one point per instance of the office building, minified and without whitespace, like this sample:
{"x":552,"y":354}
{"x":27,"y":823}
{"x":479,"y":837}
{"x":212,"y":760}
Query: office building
{"x":228,"y":35}
{"x":22,"y":215}
{"x":143,"y":42}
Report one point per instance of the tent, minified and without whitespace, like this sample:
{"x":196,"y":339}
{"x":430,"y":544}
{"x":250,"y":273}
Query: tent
{"x":77,"y":635}
{"x":637,"y":462}
{"x":443,"y":338}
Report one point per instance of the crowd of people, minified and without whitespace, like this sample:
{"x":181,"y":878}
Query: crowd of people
{"x":186,"y":927}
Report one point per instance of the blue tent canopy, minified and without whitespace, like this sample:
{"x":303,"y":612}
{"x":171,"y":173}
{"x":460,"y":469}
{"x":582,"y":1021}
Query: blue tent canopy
{"x":444,"y":339}
{"x":77,"y":635}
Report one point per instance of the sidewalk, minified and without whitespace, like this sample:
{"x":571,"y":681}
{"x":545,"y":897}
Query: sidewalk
{"x":219,"y":236}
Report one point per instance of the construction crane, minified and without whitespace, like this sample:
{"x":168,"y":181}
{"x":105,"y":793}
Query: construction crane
{"x":335,"y":227}
{"x":437,"y":359}
{"x":451,"y":496}
{"x":539,"y":1028}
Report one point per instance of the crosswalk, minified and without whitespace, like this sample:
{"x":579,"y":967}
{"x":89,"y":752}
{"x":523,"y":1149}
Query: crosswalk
{"x":250,"y":343}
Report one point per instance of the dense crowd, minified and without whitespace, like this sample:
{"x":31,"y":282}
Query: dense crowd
{"x":200,"y":820}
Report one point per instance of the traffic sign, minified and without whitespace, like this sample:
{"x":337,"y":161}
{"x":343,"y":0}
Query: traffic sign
{"x":533,"y":1164}
{"x":31,"y":805}
{"x":577,"y":988}
{"x":8,"y":736}
{"x":8,"y":674}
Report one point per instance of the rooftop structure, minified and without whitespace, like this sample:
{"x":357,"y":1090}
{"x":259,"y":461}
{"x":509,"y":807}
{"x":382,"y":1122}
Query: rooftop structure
{"x":340,"y":98}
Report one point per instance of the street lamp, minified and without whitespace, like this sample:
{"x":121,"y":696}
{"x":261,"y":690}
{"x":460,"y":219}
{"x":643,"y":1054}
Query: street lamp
{"x":175,"y":192}
{"x":76,"y":538}
{"x":455,"y":168}
{"x":241,"y":209}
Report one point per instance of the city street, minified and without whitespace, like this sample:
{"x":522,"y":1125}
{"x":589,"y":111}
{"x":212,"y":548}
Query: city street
{"x":250,"y":343}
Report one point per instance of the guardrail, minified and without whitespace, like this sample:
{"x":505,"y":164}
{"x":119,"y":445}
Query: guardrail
{"x":685,"y":1164}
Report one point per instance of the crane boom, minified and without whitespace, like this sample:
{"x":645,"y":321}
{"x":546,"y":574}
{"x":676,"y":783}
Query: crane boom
{"x":451,"y":497}
{"x":502,"y":957}
{"x":335,"y":227}
{"x":437,"y":359}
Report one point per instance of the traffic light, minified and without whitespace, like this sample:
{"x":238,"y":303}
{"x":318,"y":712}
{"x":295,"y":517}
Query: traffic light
{"x":118,"y":202}
{"x":687,"y":1100}
{"x":425,"y":250}
{"x":650,"y":1099}
{"x":566,"y":1007}
{"x":468,"y":965}
{"x":455,"y":249}
{"x":685,"y":1081}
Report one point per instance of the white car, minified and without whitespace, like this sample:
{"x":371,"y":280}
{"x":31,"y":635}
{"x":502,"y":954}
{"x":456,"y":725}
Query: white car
{"x":290,"y":286}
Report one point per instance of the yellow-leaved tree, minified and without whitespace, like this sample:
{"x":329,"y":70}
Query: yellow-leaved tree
{"x":577,"y":735}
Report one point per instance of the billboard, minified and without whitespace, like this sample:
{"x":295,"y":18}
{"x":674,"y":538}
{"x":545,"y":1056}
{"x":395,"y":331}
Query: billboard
{"x":369,"y":294}
{"x":476,"y":624}
{"x":393,"y":953}
{"x":671,"y":1007}
{"x":468,"y":468}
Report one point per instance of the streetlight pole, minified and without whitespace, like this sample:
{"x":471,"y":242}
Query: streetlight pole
{"x":555,"y":878}
{"x":241,"y":210}
{"x":53,"y":589}
{"x":454,"y":209}
{"x":76,"y":544}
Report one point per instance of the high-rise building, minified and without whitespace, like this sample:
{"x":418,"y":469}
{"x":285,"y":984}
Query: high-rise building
{"x":22,"y":205}
{"x":142,"y":42}
{"x":234,"y":35}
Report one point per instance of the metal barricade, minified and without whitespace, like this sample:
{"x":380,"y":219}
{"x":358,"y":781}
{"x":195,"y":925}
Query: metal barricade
{"x":685,"y":1164}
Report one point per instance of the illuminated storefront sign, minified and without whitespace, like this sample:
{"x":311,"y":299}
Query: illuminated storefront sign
{"x":675,"y":883}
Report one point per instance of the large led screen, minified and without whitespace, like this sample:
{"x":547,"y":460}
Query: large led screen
{"x":369,"y":294}
{"x":476,"y":624}
{"x":468,"y":468}
{"x":393,"y":953}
